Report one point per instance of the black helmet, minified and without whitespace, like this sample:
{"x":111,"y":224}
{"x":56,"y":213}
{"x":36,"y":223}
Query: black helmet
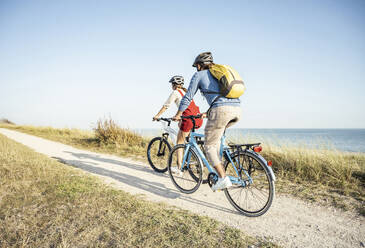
{"x":203,"y":58}
{"x":177,"y":80}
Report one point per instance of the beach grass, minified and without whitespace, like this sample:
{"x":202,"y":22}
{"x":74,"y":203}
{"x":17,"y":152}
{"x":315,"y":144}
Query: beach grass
{"x":325,"y":176}
{"x":44,"y":203}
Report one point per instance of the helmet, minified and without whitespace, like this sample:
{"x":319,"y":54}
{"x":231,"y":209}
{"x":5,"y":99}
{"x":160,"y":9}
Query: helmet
{"x":203,"y":58}
{"x":177,"y":80}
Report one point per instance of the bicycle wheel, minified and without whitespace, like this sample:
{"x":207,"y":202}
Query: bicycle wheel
{"x":255,"y":198}
{"x":157,"y":153}
{"x":189,"y":178}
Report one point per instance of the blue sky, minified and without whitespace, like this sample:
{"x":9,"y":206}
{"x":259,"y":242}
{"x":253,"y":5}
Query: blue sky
{"x":69,"y":63}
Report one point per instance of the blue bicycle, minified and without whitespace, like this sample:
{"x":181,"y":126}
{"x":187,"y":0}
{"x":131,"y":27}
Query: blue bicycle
{"x":252,"y":177}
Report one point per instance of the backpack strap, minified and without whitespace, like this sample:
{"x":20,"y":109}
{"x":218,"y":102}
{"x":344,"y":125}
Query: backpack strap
{"x":181,"y":93}
{"x":211,"y":92}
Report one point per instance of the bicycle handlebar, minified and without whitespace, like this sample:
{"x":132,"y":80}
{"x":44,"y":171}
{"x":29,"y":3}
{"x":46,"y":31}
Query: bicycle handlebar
{"x":164,"y":119}
{"x":192,"y":118}
{"x":199,"y":116}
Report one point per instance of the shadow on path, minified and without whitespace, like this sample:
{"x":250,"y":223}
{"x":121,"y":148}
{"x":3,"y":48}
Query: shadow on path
{"x":113,"y":161}
{"x":149,"y":186}
{"x":152,"y":187}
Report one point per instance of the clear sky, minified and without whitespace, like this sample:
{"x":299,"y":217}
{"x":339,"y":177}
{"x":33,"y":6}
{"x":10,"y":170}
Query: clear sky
{"x":69,"y":63}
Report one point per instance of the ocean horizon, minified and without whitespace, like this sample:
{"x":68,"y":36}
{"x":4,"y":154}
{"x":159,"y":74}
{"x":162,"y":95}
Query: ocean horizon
{"x":342,"y":139}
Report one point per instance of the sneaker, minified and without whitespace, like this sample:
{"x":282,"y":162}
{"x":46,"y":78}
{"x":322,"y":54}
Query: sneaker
{"x":177,"y":171}
{"x":222,"y":183}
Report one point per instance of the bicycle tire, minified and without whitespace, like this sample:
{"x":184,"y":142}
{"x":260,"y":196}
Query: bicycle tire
{"x":189,"y":180}
{"x":157,"y":163}
{"x":261,"y":183}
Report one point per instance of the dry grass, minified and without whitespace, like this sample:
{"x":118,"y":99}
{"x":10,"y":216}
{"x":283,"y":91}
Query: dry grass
{"x":108,"y":132}
{"x":323,"y":175}
{"x":44,"y":203}
{"x":330,"y":168}
{"x":319,"y":175}
{"x":96,"y":140}
{"x":327,"y":176}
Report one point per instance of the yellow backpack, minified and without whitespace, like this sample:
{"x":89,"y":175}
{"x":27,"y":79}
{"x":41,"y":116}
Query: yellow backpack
{"x":230,"y":83}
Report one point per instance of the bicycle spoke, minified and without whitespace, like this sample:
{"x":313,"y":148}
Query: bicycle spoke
{"x":157,"y":154}
{"x":189,"y":179}
{"x":255,"y":198}
{"x":261,"y":192}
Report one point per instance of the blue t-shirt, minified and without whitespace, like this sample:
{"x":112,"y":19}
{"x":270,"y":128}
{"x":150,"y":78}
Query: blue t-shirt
{"x":205,"y":82}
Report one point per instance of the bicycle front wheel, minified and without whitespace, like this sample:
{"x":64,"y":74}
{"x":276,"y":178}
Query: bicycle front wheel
{"x":186,"y":177}
{"x":157,"y":153}
{"x":254,"y":198}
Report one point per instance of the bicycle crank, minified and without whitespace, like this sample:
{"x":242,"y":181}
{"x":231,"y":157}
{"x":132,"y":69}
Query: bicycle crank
{"x":212,"y":179}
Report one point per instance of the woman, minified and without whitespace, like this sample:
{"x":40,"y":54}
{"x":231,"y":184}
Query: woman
{"x":223,"y":113}
{"x":185,"y":125}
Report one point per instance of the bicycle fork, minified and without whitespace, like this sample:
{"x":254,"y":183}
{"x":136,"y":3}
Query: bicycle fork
{"x":162,"y":145}
{"x":186,"y":158}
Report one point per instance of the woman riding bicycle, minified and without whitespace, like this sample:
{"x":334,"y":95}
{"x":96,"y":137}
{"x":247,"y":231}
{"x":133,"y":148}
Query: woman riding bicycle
{"x":178,"y":92}
{"x":223,"y":113}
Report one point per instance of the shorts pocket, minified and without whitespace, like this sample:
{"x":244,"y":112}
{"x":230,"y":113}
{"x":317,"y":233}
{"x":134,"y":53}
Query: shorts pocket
{"x":212,"y":114}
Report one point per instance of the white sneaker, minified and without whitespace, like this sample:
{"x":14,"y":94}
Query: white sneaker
{"x":222,"y":183}
{"x":177,"y":171}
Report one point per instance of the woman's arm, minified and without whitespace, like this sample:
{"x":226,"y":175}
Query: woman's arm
{"x":162,"y":110}
{"x":166,"y":105}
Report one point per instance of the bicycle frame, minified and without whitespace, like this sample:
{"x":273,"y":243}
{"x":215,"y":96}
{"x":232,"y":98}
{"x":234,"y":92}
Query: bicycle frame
{"x":244,"y":167}
{"x":169,"y":131}
{"x":224,"y":151}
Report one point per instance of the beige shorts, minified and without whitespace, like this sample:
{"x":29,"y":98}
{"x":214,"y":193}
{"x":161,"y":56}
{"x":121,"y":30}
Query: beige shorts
{"x":219,"y":119}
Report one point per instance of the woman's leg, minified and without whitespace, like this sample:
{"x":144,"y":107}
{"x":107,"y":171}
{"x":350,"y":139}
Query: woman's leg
{"x":181,"y":137}
{"x":218,"y":120}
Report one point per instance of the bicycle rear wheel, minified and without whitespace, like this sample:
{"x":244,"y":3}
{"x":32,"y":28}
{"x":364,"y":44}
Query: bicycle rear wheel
{"x":255,"y":198}
{"x":188,"y":179}
{"x":157,"y":153}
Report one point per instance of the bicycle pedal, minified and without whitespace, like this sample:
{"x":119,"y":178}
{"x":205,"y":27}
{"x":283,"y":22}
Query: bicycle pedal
{"x":205,"y":181}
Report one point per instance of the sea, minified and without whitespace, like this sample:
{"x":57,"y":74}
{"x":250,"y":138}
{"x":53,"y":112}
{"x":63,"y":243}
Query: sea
{"x":348,"y":140}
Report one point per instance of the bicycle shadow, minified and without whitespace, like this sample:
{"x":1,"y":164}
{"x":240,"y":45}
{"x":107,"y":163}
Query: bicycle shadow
{"x":113,"y":161}
{"x":152,"y":187}
{"x":137,"y":182}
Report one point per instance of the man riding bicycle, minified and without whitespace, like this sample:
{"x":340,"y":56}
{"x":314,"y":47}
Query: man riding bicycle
{"x":223,"y":113}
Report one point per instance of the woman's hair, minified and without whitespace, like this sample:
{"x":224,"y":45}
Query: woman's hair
{"x":181,"y":87}
{"x":206,"y":66}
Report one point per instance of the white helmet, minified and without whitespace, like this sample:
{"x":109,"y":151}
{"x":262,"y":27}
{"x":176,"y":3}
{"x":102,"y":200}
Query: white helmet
{"x":177,"y":80}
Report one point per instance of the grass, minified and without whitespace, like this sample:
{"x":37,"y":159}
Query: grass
{"x":107,"y":137}
{"x":324,"y":176}
{"x":328,"y":177}
{"x":44,"y":203}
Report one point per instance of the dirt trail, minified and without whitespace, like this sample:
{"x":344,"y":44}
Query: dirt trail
{"x":289,"y":222}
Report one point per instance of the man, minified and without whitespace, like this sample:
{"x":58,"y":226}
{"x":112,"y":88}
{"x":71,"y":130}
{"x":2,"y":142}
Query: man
{"x":223,"y":113}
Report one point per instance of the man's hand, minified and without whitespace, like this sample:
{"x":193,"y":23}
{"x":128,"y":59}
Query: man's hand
{"x":155,"y":118}
{"x":204,"y":115}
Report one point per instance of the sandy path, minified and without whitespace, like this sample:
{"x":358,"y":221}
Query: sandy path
{"x":289,"y":222}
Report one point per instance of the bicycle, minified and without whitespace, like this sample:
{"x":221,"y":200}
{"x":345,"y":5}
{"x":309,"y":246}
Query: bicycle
{"x":251,"y":175}
{"x":159,"y":147}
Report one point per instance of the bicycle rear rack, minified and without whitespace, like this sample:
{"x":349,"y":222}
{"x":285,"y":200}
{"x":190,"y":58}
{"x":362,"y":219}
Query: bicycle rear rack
{"x":238,"y":147}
